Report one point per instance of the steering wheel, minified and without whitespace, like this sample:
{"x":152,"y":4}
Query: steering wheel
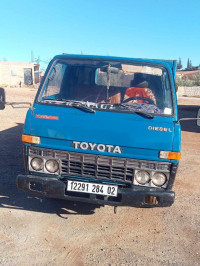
{"x":139,"y":98}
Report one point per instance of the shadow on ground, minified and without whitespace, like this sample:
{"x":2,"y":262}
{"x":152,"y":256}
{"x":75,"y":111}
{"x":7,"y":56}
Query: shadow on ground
{"x":189,"y":111}
{"x":11,"y":164}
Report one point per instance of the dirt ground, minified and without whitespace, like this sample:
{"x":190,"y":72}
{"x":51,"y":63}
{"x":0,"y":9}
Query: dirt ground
{"x":40,"y":231}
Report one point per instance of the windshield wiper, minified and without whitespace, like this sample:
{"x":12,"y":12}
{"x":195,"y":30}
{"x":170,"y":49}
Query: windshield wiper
{"x":147,"y":115}
{"x":82,"y":107}
{"x":75,"y":104}
{"x":52,"y":100}
{"x":78,"y":105}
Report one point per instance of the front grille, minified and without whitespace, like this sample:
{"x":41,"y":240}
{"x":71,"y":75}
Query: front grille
{"x":99,"y":167}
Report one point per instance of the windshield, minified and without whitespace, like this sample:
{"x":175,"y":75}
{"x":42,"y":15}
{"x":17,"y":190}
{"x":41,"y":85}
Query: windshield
{"x":104,"y":85}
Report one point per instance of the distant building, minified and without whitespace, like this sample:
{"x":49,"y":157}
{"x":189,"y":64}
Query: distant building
{"x":18,"y":73}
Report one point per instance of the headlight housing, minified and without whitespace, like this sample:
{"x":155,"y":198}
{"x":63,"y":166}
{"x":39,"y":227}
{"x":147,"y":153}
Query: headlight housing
{"x":37,"y":164}
{"x":159,"y":179}
{"x":142,"y":177}
{"x":52,"y":166}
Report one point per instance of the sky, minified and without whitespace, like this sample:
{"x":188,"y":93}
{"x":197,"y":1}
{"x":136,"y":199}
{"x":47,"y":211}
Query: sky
{"x":155,"y":29}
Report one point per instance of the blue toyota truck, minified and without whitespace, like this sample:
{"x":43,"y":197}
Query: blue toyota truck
{"x":104,"y":130}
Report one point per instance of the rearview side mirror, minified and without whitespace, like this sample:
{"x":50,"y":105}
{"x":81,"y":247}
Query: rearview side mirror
{"x":198,"y":116}
{"x":2,"y":98}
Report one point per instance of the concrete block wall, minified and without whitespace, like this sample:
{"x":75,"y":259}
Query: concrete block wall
{"x":189,"y":91}
{"x":11,"y":73}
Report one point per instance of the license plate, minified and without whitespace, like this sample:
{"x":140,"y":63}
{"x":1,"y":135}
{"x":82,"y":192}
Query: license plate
{"x":93,"y":188}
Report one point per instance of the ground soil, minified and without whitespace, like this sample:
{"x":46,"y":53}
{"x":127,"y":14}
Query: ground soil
{"x":40,"y":231}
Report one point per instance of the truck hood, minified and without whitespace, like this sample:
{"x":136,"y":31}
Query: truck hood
{"x":136,"y":136}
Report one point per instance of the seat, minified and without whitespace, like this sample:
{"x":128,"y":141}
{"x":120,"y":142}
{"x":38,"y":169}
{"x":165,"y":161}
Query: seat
{"x":114,"y":96}
{"x":97,"y":94}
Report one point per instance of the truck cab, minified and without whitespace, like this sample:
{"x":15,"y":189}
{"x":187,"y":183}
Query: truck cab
{"x":104,"y":130}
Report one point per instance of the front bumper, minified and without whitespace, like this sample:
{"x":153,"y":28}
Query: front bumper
{"x":55,"y":188}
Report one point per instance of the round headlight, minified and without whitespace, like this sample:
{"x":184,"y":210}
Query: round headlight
{"x":37,"y":163}
{"x":52,"y":166}
{"x":142,"y":177}
{"x":158,"y":179}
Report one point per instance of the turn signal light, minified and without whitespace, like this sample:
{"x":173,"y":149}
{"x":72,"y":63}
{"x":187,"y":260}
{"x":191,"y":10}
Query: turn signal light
{"x":170,"y":155}
{"x":30,"y":139}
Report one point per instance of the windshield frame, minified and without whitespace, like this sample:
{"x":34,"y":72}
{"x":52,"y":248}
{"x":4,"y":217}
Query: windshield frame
{"x":121,"y":60}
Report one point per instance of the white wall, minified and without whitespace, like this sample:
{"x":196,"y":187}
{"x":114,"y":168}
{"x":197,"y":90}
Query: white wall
{"x":11,"y":73}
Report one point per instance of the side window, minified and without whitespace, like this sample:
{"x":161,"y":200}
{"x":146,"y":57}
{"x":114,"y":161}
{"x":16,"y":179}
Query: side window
{"x":167,"y":93}
{"x":53,"y":83}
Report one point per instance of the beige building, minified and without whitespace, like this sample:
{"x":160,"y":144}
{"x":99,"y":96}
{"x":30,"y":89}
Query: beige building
{"x":16,"y":73}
